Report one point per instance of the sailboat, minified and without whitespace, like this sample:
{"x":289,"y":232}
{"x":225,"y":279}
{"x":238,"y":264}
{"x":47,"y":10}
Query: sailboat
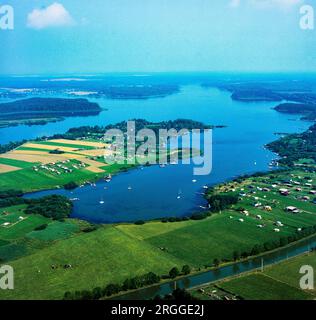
{"x":179,"y":194}
{"x":109,"y":178}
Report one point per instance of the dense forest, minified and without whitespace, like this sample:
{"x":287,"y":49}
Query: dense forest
{"x":55,"y":206}
{"x":99,"y":131}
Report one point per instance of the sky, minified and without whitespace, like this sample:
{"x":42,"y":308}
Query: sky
{"x":99,"y":36}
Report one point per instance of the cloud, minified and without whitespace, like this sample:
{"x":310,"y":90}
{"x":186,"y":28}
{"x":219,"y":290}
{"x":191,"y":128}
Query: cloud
{"x":54,"y":15}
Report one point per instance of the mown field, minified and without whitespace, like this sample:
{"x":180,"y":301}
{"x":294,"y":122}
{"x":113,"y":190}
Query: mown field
{"x":278,"y":282}
{"x":32,"y":166}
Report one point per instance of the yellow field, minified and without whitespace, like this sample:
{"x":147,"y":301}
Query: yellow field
{"x":44,"y":157}
{"x":48,"y":147}
{"x":80,"y":143}
{"x":5,"y":168}
{"x":95,"y":153}
{"x":28,"y":157}
{"x":95,"y":169}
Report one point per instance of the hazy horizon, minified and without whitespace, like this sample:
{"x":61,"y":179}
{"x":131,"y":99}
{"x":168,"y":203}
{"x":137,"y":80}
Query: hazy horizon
{"x":119,"y":36}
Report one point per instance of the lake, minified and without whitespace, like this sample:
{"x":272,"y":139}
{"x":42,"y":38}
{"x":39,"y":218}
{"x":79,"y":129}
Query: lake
{"x":237,"y":149}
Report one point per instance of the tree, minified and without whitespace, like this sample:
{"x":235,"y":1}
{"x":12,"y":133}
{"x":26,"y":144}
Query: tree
{"x":216,"y":262}
{"x":174,"y":272}
{"x":236,"y":255}
{"x":112,"y":289}
{"x":186,"y":269}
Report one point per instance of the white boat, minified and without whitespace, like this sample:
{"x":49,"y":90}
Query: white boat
{"x":101,"y":202}
{"x":194,"y":181}
{"x":129,"y":188}
{"x":205,"y":187}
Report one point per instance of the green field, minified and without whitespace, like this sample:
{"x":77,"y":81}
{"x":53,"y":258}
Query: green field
{"x":16,"y":163}
{"x":27,"y":180}
{"x":278,"y":282}
{"x":97,"y":258}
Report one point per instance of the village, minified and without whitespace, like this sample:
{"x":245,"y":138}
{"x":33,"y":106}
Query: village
{"x":274,"y":200}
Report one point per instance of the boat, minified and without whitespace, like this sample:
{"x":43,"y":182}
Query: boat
{"x":194,"y":181}
{"x":74,"y":199}
{"x":129,"y":188}
{"x":205,"y":187}
{"x":101,"y":202}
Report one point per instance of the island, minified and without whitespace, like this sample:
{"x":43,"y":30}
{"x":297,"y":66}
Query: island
{"x":77,"y":157}
{"x":42,"y":110}
{"x":308,"y":110}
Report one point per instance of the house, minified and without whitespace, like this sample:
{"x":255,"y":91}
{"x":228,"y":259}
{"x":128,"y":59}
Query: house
{"x":259,"y":217}
{"x":276,"y":230}
{"x":291,"y":209}
{"x":267,"y":208}
{"x":313,"y":192}
{"x":241,"y":220}
{"x":284,"y":192}
{"x":279,"y":224}
{"x":306,"y":198}
{"x":298,"y":189}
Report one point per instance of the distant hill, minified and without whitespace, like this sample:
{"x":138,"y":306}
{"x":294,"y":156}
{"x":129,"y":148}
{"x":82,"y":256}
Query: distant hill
{"x":308,"y":110}
{"x":47,"y":108}
{"x":256,"y":95}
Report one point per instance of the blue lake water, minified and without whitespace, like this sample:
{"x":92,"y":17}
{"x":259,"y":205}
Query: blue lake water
{"x":237,"y":149}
